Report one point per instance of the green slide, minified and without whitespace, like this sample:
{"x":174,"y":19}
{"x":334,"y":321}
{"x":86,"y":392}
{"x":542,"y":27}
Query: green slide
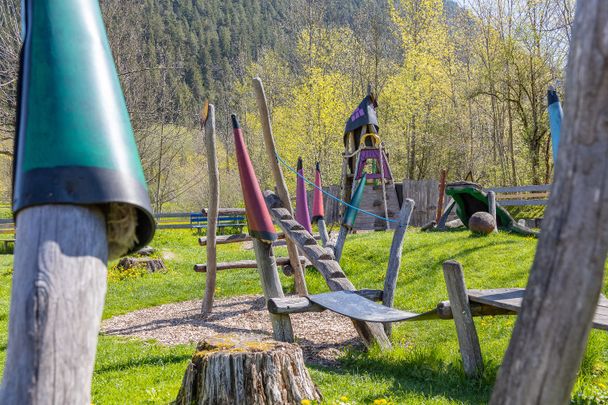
{"x":470,"y":198}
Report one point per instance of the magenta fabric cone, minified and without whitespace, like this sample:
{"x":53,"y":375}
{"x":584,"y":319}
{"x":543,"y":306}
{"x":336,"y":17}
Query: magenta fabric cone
{"x":318,"y":209}
{"x":302,"y":215}
{"x":258,"y":218}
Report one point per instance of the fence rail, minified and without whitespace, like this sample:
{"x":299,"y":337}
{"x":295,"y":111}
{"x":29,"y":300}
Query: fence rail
{"x":519,"y":196}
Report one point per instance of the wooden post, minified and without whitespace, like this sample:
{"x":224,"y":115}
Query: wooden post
{"x":386,"y":223}
{"x":465,"y":327}
{"x":281,"y":186}
{"x":394,"y":260}
{"x":551,"y":332}
{"x":445,"y":215}
{"x":269,"y":276}
{"x":442,"y":180}
{"x":212,"y":212}
{"x":339,"y":246}
{"x":59,"y":285}
{"x":492,"y":208}
{"x":323,"y":231}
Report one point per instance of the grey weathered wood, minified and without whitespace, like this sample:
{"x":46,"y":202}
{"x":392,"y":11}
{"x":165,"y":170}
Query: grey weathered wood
{"x":59,"y":285}
{"x":246,"y":264}
{"x":442,"y":182}
{"x":240,"y":369}
{"x":240,"y":238}
{"x":271,"y":284}
{"x":212,"y":212}
{"x":394,"y":259}
{"x":281,"y":186}
{"x":446,"y":214}
{"x":384,"y":202}
{"x":322,"y":231}
{"x":330,"y":269}
{"x":295,"y":305}
{"x":492,"y":208}
{"x":444,"y":309}
{"x":551,"y":332}
{"x":236,"y":212}
{"x":465,"y":327}
{"x":339,"y":246}
{"x":520,"y":189}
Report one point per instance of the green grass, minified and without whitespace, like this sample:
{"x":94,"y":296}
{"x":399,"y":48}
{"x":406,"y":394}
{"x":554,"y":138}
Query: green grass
{"x":425,"y":365}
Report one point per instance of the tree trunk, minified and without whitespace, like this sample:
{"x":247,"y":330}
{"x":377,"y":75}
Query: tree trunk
{"x":59,"y":285}
{"x":551,"y":332}
{"x":232,"y":369}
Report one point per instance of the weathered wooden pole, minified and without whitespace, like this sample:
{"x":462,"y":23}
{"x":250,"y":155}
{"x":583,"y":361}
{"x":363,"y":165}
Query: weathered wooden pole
{"x":350,"y":215}
{"x":551,"y":331}
{"x":79,"y":197}
{"x":262,"y":230}
{"x":318,"y":208}
{"x":387,"y":225}
{"x":208,"y":127}
{"x":394,"y":259}
{"x":281,"y":186}
{"x":463,"y":319}
{"x":442,"y":181}
{"x":492,"y":208}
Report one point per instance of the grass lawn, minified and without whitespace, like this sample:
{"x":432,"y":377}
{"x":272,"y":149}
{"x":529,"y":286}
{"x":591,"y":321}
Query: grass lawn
{"x":424,"y":366}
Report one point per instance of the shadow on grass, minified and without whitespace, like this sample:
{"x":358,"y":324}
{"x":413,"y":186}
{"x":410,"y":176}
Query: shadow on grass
{"x":425,"y":374}
{"x":146,"y":361}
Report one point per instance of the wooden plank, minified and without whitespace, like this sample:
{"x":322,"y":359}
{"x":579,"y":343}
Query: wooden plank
{"x":519,"y":203}
{"x":271,"y":285}
{"x":394,"y":259}
{"x":330,"y":270}
{"x":245,"y":264}
{"x":522,"y":196}
{"x":226,"y":211}
{"x":354,"y":306}
{"x":294,"y":304}
{"x":59,"y":285}
{"x":465,"y":327}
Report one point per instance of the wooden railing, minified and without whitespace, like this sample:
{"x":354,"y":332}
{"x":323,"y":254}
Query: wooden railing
{"x":522,"y":195}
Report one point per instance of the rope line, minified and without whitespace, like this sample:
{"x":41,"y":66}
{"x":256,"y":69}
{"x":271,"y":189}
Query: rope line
{"x":333,"y":197}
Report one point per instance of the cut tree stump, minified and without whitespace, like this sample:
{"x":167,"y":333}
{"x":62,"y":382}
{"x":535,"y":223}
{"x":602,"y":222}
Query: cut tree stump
{"x":152,"y":265}
{"x":234,"y":369}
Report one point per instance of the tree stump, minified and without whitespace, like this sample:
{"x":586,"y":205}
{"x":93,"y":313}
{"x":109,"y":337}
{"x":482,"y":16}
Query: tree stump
{"x":152,"y":265}
{"x":233,"y":369}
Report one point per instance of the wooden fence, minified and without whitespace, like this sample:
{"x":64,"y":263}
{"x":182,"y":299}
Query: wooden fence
{"x":522,"y":195}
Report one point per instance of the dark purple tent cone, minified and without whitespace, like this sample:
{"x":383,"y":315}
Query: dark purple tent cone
{"x":258,"y":218}
{"x":318,"y":210}
{"x":302,"y":214}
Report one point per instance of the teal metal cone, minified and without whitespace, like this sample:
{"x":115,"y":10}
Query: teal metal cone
{"x":351,"y":213}
{"x":74,"y":143}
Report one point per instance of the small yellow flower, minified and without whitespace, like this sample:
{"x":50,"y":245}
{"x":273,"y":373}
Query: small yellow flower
{"x":343,"y":398}
{"x":380,"y":401}
{"x":602,"y":386}
{"x":306,"y":402}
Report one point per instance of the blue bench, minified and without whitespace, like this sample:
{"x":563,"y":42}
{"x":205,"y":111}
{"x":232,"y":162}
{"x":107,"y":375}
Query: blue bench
{"x":199,"y":221}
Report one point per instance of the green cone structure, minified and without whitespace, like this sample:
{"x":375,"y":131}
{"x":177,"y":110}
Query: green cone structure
{"x":351,"y":213}
{"x":74,"y":142}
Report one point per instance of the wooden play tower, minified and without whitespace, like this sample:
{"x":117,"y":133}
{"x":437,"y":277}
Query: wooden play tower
{"x":364,"y":153}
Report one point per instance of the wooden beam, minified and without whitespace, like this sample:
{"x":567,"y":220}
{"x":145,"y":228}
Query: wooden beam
{"x":271,"y":284}
{"x":465,"y":327}
{"x":329,"y":268}
{"x":296,"y":305}
{"x":246,"y":264}
{"x":214,"y":204}
{"x":281,"y":186}
{"x":59,"y":285}
{"x":225,"y":211}
{"x":323,"y":232}
{"x":442,"y":181}
{"x":394,"y":260}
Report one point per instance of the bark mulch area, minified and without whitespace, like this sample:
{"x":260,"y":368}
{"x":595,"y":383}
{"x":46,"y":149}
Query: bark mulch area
{"x":323,"y":336}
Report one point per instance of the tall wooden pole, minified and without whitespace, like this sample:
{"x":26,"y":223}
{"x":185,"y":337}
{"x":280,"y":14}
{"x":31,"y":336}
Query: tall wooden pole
{"x":551,"y":331}
{"x":394,"y":259}
{"x":442,"y":181}
{"x":387,"y":225}
{"x":283,"y":193}
{"x":208,"y":123}
{"x":59,"y":285}
{"x":492,"y":208}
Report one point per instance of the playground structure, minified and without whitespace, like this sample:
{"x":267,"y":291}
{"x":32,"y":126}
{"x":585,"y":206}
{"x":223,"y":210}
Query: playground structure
{"x":364,"y":152}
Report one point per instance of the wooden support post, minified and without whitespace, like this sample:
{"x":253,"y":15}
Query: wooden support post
{"x":59,"y":286}
{"x":442,"y":181}
{"x":323,"y":231}
{"x":387,"y":225}
{"x":446,"y":214}
{"x":492,"y":208}
{"x":212,"y":212}
{"x":269,"y":276}
{"x":339,"y":246}
{"x":394,"y":260}
{"x":465,"y":327}
{"x":281,"y":186}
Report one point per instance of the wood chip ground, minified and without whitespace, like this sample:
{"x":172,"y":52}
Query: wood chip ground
{"x":323,"y":336}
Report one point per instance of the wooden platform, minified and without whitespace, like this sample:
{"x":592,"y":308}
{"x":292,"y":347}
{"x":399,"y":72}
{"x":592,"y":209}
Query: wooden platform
{"x":511,"y":299}
{"x":372,"y":202}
